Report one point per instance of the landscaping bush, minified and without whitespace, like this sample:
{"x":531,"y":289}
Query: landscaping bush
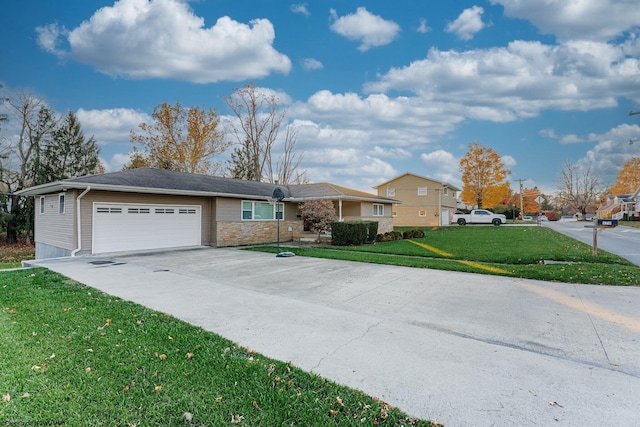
{"x":353,"y":233}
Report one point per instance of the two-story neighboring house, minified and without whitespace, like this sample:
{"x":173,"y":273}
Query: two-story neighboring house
{"x":425,"y":201}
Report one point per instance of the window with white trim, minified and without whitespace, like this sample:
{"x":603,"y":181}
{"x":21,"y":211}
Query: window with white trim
{"x":61,"y":204}
{"x":422,"y":191}
{"x":378,"y":209}
{"x":41,"y":205}
{"x":262,"y":211}
{"x":445,"y":191}
{"x":391,"y":192}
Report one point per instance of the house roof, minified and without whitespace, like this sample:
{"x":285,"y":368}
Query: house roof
{"x":160,"y":181}
{"x":444,"y":184}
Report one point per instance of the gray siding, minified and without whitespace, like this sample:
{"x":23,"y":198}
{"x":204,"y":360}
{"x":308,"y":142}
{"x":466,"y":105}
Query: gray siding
{"x":52,"y":228}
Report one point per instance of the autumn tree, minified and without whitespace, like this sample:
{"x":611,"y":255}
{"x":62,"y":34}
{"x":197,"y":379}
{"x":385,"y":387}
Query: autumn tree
{"x":179,"y":138}
{"x":579,"y":187}
{"x":483,"y":177}
{"x":256,"y":128}
{"x":628,"y":179}
{"x":318,"y":215}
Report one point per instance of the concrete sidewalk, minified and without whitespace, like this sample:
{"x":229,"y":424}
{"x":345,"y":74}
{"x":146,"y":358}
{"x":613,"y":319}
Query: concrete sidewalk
{"x":462,"y":349}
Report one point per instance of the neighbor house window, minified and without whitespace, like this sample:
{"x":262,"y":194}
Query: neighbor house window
{"x":378,"y":209}
{"x":41,"y":205}
{"x":391,"y":192}
{"x":422,"y":213}
{"x":61,"y":203}
{"x":261,"y":211}
{"x":445,"y":191}
{"x":422,"y":191}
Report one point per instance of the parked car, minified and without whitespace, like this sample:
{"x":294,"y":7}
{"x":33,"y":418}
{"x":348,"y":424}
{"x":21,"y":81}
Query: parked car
{"x":479,"y":216}
{"x":527,"y":218}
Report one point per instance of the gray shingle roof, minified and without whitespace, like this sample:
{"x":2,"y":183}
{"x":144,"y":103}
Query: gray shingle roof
{"x":158,"y":181}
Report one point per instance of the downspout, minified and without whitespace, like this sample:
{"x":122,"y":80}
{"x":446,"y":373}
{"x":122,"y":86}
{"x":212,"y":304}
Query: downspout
{"x":75,"y":251}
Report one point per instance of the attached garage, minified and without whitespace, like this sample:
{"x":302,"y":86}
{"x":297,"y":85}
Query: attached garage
{"x":121,"y":227}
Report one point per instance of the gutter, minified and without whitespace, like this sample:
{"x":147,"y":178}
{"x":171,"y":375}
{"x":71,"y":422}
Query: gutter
{"x":75,"y":251}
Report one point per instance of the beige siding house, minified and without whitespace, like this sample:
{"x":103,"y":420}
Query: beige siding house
{"x":425,"y":201}
{"x":144,"y":209}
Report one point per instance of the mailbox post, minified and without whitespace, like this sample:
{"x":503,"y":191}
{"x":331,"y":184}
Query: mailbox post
{"x":601,"y":224}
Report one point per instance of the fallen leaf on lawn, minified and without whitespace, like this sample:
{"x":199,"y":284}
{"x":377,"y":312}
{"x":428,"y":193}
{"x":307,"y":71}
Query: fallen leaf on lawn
{"x":339,"y":401}
{"x":138,"y":322}
{"x":255,"y":404}
{"x":53,"y":356}
{"x":218,"y":399}
{"x":87,"y":370}
{"x":154,"y":315}
{"x":162,"y":356}
{"x":25,"y":395}
{"x":189,"y":356}
{"x":188,"y":416}
{"x":383,"y":413}
{"x":128,"y":386}
{"x":157,"y":388}
{"x":170,"y":338}
{"x":90,"y":350}
{"x":6,"y":397}
{"x":237,"y":419}
{"x":33,"y":334}
{"x":333,"y":412}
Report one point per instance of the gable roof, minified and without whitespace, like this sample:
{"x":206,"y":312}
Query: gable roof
{"x":444,"y":184}
{"x":161,"y":181}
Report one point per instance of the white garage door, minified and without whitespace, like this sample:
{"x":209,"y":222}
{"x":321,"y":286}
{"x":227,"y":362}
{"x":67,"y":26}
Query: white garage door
{"x":130,"y":227}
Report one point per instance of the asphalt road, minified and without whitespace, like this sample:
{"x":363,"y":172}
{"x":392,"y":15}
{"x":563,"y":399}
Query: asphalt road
{"x":622,"y":241}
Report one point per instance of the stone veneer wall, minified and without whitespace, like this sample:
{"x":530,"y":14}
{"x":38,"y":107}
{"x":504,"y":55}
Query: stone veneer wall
{"x":385,"y":224}
{"x":255,"y":232}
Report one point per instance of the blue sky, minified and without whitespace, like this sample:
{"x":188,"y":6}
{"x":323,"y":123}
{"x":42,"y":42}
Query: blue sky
{"x":375,"y":89}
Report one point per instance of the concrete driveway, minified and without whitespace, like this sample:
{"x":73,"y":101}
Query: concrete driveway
{"x":462,"y":349}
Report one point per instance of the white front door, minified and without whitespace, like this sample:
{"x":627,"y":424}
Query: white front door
{"x":121,"y":227}
{"x":444,"y":217}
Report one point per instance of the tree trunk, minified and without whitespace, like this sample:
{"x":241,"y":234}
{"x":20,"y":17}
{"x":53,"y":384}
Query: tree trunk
{"x":12,"y":230}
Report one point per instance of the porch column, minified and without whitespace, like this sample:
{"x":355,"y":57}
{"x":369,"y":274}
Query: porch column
{"x":340,"y":210}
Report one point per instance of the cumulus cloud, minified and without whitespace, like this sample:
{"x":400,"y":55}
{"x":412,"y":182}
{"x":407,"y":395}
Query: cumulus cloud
{"x":311,"y":64}
{"x":598,"y":20}
{"x":143,"y":39}
{"x":612,"y":150}
{"x":467,"y":24}
{"x":111,"y":126}
{"x":423,"y":27}
{"x":301,"y":9}
{"x":521,"y":80}
{"x":371,"y":30}
{"x":571,"y":139}
{"x":443,"y":166}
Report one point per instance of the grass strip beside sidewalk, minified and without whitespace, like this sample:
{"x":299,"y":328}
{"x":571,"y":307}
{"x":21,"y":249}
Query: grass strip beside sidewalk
{"x":71,"y":355}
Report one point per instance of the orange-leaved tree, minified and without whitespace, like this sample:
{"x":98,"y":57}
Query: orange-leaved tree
{"x":179,"y":138}
{"x":628,"y":179}
{"x":483,"y":177}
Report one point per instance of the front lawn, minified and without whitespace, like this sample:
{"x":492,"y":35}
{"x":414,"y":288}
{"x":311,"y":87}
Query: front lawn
{"x":71,"y":355}
{"x":525,"y":252}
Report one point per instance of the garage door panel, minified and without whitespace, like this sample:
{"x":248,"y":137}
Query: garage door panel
{"x":126,"y":227}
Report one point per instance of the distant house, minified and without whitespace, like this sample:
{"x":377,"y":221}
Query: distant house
{"x":425,"y":201}
{"x":142,"y":209}
{"x":619,"y":207}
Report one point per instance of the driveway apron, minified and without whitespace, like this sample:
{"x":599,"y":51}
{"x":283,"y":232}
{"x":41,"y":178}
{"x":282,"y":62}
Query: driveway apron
{"x":462,"y":349}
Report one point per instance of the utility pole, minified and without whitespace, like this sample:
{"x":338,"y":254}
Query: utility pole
{"x":521,"y":199}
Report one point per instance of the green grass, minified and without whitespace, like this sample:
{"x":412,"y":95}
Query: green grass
{"x":71,"y":355}
{"x":506,"y":251}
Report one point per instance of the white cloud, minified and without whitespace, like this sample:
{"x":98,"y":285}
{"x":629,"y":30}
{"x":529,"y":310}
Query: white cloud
{"x":300,"y":8}
{"x":423,"y":28}
{"x":520,"y":80}
{"x":116,"y":162}
{"x":571,"y":139}
{"x":599,"y":20}
{"x":548,"y":133}
{"x":613,"y":149}
{"x":311,"y":64}
{"x":508,"y":161}
{"x":144,"y":39}
{"x":443,"y":166}
{"x":371,"y":30}
{"x":111,"y":126}
{"x":390,"y":153}
{"x":468,"y":23}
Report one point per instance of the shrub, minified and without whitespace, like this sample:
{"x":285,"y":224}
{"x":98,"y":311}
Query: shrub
{"x":353,"y":233}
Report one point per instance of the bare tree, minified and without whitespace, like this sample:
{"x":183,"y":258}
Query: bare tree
{"x":579,"y":187}
{"x":256,"y":130}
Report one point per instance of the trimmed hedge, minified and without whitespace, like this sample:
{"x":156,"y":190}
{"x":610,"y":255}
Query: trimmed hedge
{"x":353,"y":233}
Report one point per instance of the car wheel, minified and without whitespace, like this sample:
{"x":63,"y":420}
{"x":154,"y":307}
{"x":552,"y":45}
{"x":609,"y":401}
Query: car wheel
{"x":461,"y":221}
{"x":496,"y":221}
